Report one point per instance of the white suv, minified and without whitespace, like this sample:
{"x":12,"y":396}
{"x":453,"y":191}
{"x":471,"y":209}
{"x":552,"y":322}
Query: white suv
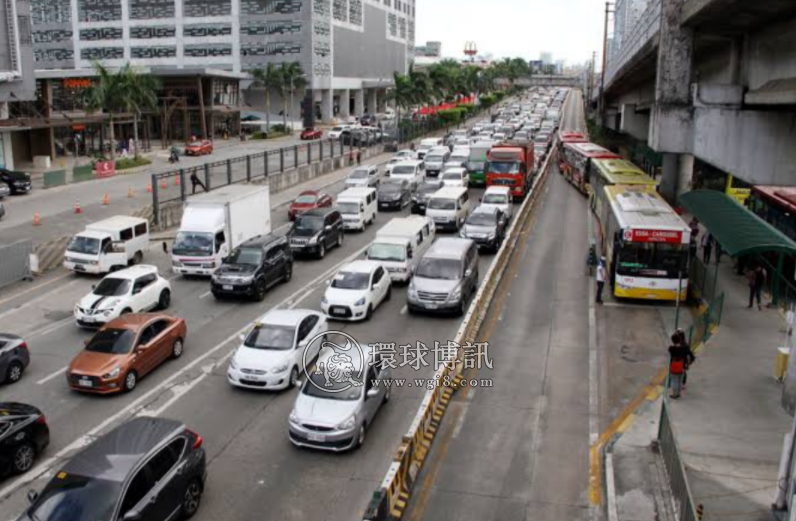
{"x":132,"y":290}
{"x":356,"y":290}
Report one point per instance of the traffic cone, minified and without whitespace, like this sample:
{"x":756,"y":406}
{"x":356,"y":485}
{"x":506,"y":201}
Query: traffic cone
{"x":78,"y":209}
{"x":163,"y":184}
{"x":130,"y":192}
{"x":36,"y":220}
{"x":106,"y":200}
{"x":177,"y":180}
{"x":149,"y":188}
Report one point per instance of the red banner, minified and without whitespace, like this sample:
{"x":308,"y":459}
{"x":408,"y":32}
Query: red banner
{"x":667,"y":236}
{"x":104,"y":168}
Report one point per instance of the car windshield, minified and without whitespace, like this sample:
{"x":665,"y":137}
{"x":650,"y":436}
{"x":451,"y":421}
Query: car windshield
{"x":438,"y":203}
{"x":434,"y":158}
{"x":541,"y":138}
{"x":337,"y":129}
{"x":401,"y":169}
{"x":452,"y":176}
{"x":331,"y":392}
{"x":86,"y":245}
{"x":348,"y":208}
{"x":278,"y":338}
{"x":351,"y":280}
{"x":70,"y":497}
{"x":481,"y":219}
{"x":504,"y":167}
{"x":476,"y":165}
{"x":306,"y":199}
{"x":112,"y":342}
{"x":448,"y":269}
{"x":195,"y":144}
{"x":249,"y":256}
{"x":309,"y":222}
{"x":495,"y":199}
{"x":387,"y":252}
{"x":111,"y":287}
{"x":193,"y":243}
{"x":390,"y":188}
{"x":428,"y":188}
{"x":359,"y":174}
{"x":459,"y":158}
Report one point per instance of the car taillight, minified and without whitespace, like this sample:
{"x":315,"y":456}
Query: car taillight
{"x":41,"y":420}
{"x":197,"y":439}
{"x":23,"y":345}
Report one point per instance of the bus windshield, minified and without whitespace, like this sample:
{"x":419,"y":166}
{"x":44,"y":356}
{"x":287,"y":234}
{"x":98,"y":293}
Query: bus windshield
{"x":651,"y":260}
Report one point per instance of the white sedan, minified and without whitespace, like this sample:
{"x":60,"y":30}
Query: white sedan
{"x":356,"y":290}
{"x":277,"y":349}
{"x":131,"y":290}
{"x":399,"y":156}
{"x":456,"y":177}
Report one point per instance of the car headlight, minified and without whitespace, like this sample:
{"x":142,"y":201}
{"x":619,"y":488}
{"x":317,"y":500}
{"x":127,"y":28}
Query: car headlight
{"x":313,"y":240}
{"x":176,"y":263}
{"x":93,"y":263}
{"x":348,"y":424}
{"x":209,"y":264}
{"x":463,"y":233}
{"x":233,"y":364}
{"x":324,"y":300}
{"x":360,"y":302}
{"x":412,"y":291}
{"x":293,"y":418}
{"x":112,"y":374}
{"x":281,"y":368}
{"x":456,"y":295}
{"x":491,"y":236}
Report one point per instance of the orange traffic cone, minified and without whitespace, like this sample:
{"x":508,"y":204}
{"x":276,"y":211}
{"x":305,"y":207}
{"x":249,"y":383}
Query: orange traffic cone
{"x":106,"y":200}
{"x":177,"y":180}
{"x":130,"y":192}
{"x":163,"y":184}
{"x":149,"y":188}
{"x":78,"y":209}
{"x":36,"y":220}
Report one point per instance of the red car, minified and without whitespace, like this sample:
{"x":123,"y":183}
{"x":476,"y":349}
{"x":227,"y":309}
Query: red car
{"x":308,"y":200}
{"x":199,"y":148}
{"x":311,"y":133}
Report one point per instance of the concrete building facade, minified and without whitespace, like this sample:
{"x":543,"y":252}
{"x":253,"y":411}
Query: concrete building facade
{"x":17,"y":81}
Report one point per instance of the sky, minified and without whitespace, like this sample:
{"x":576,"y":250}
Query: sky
{"x":570,"y":29}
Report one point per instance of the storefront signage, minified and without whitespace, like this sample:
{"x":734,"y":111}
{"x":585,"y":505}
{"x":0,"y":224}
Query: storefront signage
{"x":76,"y":83}
{"x":666,"y":236}
{"x":105,"y":168}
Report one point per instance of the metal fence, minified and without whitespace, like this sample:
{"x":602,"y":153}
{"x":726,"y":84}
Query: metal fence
{"x":678,"y":481}
{"x":15,"y":262}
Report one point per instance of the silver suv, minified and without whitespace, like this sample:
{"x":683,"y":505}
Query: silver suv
{"x":446,"y":277}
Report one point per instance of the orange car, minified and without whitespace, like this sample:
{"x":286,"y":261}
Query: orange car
{"x":124,"y":350}
{"x":199,"y":148}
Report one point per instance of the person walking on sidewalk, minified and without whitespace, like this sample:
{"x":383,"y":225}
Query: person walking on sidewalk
{"x":690,"y":358}
{"x":600,"y":278}
{"x":196,"y":181}
{"x":678,"y":359}
{"x":756,"y":279}
{"x":707,"y":248}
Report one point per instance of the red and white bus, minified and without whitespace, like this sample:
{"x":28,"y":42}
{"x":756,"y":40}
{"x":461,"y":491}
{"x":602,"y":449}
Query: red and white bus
{"x":564,"y":137}
{"x":575,"y":161}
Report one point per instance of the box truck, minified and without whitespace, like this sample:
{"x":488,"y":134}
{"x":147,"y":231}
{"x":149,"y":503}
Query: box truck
{"x":215,"y":223}
{"x":108,"y":245}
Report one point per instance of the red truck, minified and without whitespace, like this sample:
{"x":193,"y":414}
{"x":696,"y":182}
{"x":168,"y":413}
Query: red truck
{"x":512,"y":165}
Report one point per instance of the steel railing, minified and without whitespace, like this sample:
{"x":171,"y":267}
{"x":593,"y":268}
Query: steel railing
{"x":675,"y":470}
{"x":15,"y":262}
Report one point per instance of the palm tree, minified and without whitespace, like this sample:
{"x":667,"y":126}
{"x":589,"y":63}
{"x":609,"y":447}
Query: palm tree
{"x":268,"y":78}
{"x":108,"y":93}
{"x":292,"y":78}
{"x":142,"y":94}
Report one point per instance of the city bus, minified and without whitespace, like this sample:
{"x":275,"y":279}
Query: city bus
{"x":566,"y":136}
{"x":645,"y":244}
{"x":609,"y":172}
{"x":574,"y":160}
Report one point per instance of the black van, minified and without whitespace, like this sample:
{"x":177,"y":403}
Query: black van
{"x":316,"y":231}
{"x":253,"y":267}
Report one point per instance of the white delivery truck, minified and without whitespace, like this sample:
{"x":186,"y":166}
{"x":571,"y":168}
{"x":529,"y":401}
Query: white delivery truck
{"x":108,"y":245}
{"x":215,"y":223}
{"x":400,"y":244}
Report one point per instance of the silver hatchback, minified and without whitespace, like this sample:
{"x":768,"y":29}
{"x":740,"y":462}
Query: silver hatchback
{"x":14,"y":358}
{"x":339,"y":399}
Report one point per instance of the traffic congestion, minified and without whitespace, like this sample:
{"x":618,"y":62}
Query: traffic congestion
{"x":239,"y":315}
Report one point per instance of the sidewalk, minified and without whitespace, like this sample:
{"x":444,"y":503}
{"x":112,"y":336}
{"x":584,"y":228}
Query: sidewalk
{"x":729,"y":424}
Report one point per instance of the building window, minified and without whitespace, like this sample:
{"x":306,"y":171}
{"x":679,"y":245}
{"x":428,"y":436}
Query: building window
{"x":2,"y":151}
{"x":271,"y":49}
{"x":270,"y":28}
{"x":103,"y":33}
{"x":225,"y":92}
{"x":148,"y":32}
{"x":153,"y":52}
{"x":24,"y":30}
{"x":260,"y":7}
{"x":53,"y":55}
{"x":340,"y":10}
{"x":53,"y":36}
{"x":213,"y":50}
{"x":102,"y":53}
{"x":151,"y":9}
{"x":202,"y":8}
{"x":321,"y":7}
{"x":207,"y":30}
{"x":99,"y":10}
{"x":355,"y":12}
{"x":50,"y":11}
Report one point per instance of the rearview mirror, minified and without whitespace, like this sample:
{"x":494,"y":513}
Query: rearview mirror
{"x":328,"y":228}
{"x":33,"y":496}
{"x":131,"y":515}
{"x":468,"y":273}
{"x":372,"y":393}
{"x":241,"y":337}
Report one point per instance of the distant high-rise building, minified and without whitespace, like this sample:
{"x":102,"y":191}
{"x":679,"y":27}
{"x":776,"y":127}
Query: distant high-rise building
{"x":430,"y":49}
{"x":546,"y":57}
{"x":536,"y":66}
{"x":559,"y":67}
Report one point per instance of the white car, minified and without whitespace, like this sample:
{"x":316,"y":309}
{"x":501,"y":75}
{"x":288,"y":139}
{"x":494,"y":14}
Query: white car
{"x":365,"y":175}
{"x":409,"y":170}
{"x":356,"y":291}
{"x":456,"y":177}
{"x":337,"y":131}
{"x":272,"y":353}
{"x":400,"y":156}
{"x":499,"y":197}
{"x":131,"y":290}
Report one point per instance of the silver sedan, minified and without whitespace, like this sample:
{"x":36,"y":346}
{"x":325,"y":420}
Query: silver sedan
{"x":14,"y":358}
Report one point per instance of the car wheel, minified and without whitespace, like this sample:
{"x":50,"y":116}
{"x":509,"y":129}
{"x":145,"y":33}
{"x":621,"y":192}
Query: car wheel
{"x":14,"y":372}
{"x":294,"y":376}
{"x":130,"y":381}
{"x":192,"y":499}
{"x":361,"y":436}
{"x":259,"y":291}
{"x":340,"y":239}
{"x":462,"y":307}
{"x":322,"y":250}
{"x":389,"y":293}
{"x":125,"y":311}
{"x":23,"y":458}
{"x":387,"y":394}
{"x":288,"y":272}
{"x":176,"y":349}
{"x":369,"y":313}
{"x":165,"y":299}
{"x":138,"y":257}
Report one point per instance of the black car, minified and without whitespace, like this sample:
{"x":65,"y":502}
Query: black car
{"x":424,"y":191}
{"x":393,"y":194}
{"x":147,"y":468}
{"x":18,"y":182}
{"x":486,"y":226}
{"x":23,"y":436}
{"x":316,"y":231}
{"x":253,"y":267}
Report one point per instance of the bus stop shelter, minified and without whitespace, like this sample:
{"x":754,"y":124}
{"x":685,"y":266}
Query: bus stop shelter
{"x":739,"y":231}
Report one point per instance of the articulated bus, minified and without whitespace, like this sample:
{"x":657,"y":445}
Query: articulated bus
{"x":574,"y":160}
{"x":645,"y":244}
{"x":609,"y":172}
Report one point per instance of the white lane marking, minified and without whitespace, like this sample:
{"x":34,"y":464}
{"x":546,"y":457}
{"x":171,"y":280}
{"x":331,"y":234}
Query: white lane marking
{"x":138,"y":404}
{"x":34,"y":288}
{"x":51,"y":376}
{"x":404,"y":309}
{"x":206,"y":293}
{"x":37,"y":299}
{"x":49,"y":329}
{"x":460,"y":423}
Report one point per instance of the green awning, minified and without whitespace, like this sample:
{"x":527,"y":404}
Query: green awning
{"x":739,"y":231}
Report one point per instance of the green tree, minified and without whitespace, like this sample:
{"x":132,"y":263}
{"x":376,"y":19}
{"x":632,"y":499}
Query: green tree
{"x":291,"y":77}
{"x":270,"y":79}
{"x":143,"y":95}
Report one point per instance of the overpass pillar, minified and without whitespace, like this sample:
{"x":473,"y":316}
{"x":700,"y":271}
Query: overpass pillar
{"x":634,"y":123}
{"x":671,"y":126}
{"x":345,"y":103}
{"x":326,"y":105}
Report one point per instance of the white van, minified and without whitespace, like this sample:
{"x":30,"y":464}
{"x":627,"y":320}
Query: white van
{"x":428,"y":144}
{"x":108,"y":245}
{"x":448,"y":207}
{"x":401,"y":243}
{"x":358,"y":207}
{"x":499,"y":197}
{"x":409,"y":170}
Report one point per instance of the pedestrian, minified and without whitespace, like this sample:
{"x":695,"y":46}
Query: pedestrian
{"x":678,"y":358}
{"x":359,"y":157}
{"x":196,"y":181}
{"x":707,"y":248}
{"x":689,"y":359}
{"x":600,"y":278}
{"x":756,"y":279}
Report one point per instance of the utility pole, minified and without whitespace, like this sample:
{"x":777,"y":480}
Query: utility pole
{"x":605,"y":54}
